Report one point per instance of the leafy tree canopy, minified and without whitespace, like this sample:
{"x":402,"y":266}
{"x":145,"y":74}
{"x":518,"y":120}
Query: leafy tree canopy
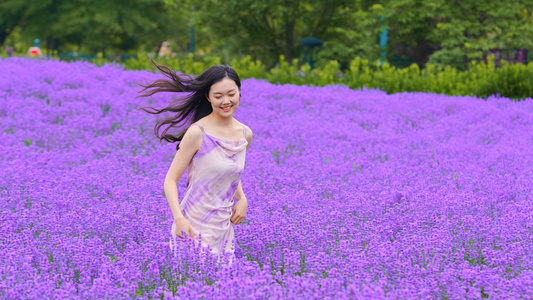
{"x":92,"y":24}
{"x":441,"y":30}
{"x":467,"y":26}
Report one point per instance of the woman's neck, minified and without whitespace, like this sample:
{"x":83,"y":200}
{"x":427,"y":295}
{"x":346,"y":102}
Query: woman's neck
{"x":221,"y":122}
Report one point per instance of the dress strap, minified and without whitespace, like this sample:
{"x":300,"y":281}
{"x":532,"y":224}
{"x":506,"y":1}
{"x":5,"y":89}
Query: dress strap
{"x":200,"y":127}
{"x":244,"y":129}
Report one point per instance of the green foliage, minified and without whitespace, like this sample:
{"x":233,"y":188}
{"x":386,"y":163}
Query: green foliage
{"x":335,"y":51}
{"x":268,"y":29}
{"x":11,"y":12}
{"x":247,"y":68}
{"x":514,"y":81}
{"x":445,"y":32}
{"x":94,"y":26}
{"x":509,"y":80}
{"x":445,"y":57}
{"x":187,"y":64}
{"x":285,"y":73}
{"x":470,"y":27}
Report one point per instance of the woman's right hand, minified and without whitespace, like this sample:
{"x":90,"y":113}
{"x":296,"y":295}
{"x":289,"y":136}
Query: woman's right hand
{"x":183,"y":225}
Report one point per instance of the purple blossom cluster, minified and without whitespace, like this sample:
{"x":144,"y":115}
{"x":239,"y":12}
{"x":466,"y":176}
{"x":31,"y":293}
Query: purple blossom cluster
{"x":352,"y":193}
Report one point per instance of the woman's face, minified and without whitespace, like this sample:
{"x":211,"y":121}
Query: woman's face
{"x":224,"y":97}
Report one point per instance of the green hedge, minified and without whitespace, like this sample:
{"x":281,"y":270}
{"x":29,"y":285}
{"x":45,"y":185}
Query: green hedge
{"x":513,"y":81}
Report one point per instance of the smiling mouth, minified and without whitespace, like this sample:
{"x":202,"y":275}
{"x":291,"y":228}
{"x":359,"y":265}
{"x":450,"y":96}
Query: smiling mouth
{"x":227,"y":108}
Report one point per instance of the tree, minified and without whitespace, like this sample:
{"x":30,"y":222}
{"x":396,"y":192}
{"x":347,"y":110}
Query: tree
{"x":267,"y":29}
{"x":96,"y":25}
{"x":354,"y":33}
{"x":11,"y":14}
{"x":469,"y":27}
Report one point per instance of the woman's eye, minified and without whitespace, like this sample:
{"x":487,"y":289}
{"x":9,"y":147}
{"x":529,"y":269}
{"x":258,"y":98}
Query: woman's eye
{"x":232,"y":95}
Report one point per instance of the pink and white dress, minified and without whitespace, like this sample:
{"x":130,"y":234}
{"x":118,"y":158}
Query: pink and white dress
{"x":213,"y":176}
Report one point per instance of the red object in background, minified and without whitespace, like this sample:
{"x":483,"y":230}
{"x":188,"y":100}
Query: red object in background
{"x":34,"y":52}
{"x":518,"y":56}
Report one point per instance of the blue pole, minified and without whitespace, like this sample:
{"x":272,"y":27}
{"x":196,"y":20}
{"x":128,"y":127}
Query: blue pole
{"x":191,"y":46}
{"x":383,"y":42}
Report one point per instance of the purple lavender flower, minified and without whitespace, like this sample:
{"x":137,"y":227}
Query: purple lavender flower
{"x":352,"y":193}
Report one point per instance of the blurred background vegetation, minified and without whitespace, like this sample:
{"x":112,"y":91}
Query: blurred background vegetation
{"x":430,"y":45}
{"x":442,"y":32}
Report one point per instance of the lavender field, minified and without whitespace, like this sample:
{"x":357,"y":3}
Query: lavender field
{"x":352,"y":194}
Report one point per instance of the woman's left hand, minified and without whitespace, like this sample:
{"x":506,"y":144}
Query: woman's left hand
{"x":239,"y":211}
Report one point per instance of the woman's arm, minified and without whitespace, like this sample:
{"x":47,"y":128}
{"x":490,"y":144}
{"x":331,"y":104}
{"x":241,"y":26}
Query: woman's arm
{"x":239,"y":193}
{"x":190,"y":144}
{"x":239,"y":210}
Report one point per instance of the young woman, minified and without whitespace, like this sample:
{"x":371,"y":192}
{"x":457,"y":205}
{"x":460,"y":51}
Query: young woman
{"x":212,"y":146}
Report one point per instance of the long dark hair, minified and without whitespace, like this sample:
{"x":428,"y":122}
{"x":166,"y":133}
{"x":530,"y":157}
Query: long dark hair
{"x":189,"y":108}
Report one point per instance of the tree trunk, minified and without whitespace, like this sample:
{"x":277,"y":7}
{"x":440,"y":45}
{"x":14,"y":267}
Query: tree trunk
{"x":5,"y":30}
{"x":418,"y":53}
{"x":48,"y":44}
{"x":289,"y":41}
{"x":3,"y":36}
{"x":158,"y":49}
{"x":180,"y":45}
{"x":52,"y":44}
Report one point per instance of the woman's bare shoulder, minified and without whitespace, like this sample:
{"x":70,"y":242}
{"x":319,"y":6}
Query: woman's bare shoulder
{"x":248,"y":129}
{"x":203,"y":122}
{"x":249,"y":133}
{"x":194,"y":130}
{"x":192,"y":138}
